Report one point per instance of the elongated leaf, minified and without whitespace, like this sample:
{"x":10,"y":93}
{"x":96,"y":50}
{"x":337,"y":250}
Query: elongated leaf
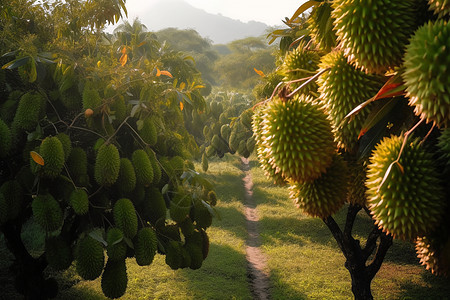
{"x":16,"y":63}
{"x":376,"y":115}
{"x":97,"y":235}
{"x":12,"y":53}
{"x":304,"y":7}
{"x":37,"y":158}
{"x":33,"y":71}
{"x":259,"y":72}
{"x":167,"y":73}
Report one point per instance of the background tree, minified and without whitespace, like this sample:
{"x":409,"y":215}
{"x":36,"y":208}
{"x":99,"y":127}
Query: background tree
{"x":94,"y":149}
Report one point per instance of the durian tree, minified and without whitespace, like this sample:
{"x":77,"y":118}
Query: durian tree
{"x":356,"y":117}
{"x":93,"y":146}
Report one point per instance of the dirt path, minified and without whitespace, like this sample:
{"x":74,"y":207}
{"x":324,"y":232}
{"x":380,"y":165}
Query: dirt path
{"x":258,"y":272}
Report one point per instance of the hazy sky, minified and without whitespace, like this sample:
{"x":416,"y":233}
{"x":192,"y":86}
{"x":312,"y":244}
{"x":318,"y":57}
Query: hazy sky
{"x":268,"y":11}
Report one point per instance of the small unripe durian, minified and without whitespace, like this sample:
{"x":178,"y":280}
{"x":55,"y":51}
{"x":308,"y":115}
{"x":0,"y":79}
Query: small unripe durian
{"x":107,"y":165}
{"x":145,"y":246}
{"x":79,"y":201}
{"x":47,"y":212}
{"x":142,"y":167}
{"x":125,"y":217}
{"x":52,"y":152}
{"x":90,"y":258}
{"x":114,"y":279}
{"x":126,"y":182}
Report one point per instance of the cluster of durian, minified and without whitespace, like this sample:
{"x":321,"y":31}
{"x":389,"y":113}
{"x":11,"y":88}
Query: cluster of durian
{"x":226,"y":127}
{"x":308,"y":141}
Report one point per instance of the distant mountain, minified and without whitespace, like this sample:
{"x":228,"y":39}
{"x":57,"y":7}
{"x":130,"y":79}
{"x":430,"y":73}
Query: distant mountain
{"x":179,"y":14}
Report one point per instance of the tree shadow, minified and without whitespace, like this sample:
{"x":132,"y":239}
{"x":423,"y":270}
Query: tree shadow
{"x":434,"y":288}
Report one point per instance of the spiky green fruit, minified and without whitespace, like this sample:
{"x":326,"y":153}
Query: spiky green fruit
{"x":91,"y":98}
{"x":410,"y":201}
{"x":202,"y":216}
{"x":212,"y":198}
{"x":320,"y":23}
{"x":11,"y":200}
{"x":357,"y":190}
{"x":444,"y":151}
{"x":440,"y":7}
{"x":79,"y":201}
{"x":145,"y":246}
{"x":225,"y":131}
{"x":426,"y":73}
{"x":177,"y":163}
{"x":66,"y":143}
{"x":210,"y":151}
{"x":116,"y":247}
{"x":342,"y":88}
{"x":77,"y":162}
{"x":301,"y":63}
{"x":205,"y":162}
{"x":325,"y":195}
{"x":180,"y":206}
{"x":155,"y":166}
{"x":107,"y":165}
{"x":126,"y":182}
{"x":434,"y":254}
{"x":52,"y":152}
{"x":196,"y":255}
{"x":148,"y":132}
{"x":246,"y":118}
{"x":250,"y":144}
{"x":29,"y":110}
{"x":5,"y":138}
{"x":89,"y":257}
{"x":174,"y":255}
{"x":125,"y":217}
{"x":262,"y":153}
{"x":114,"y":279}
{"x":143,"y":167}
{"x":154,"y":208}
{"x":47,"y":212}
{"x":373,"y":34}
{"x":58,"y":253}
{"x":298,"y":138}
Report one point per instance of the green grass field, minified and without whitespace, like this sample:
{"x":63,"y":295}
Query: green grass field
{"x":303,"y":257}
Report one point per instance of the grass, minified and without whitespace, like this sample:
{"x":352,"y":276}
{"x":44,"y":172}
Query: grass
{"x":303,"y":257}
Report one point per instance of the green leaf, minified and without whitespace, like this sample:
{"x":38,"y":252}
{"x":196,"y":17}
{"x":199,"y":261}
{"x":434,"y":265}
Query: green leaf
{"x":97,"y":234}
{"x":304,"y":7}
{"x":376,"y":115}
{"x":12,"y":53}
{"x":33,"y":72}
{"x":16,"y":63}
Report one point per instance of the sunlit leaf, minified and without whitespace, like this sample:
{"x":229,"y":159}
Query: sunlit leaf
{"x":181,"y":106}
{"x":99,"y":63}
{"x":97,"y":235}
{"x":304,"y":7}
{"x":123,"y":59}
{"x":182,"y":85}
{"x":376,"y":115}
{"x":158,"y":72}
{"x":37,"y":158}
{"x":259,"y":72}
{"x":16,"y":63}
{"x":124,"y":50}
{"x":167,"y":73}
{"x":392,"y":88}
{"x":142,"y":44}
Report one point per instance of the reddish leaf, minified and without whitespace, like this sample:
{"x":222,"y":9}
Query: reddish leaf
{"x":259,"y":72}
{"x":37,"y":158}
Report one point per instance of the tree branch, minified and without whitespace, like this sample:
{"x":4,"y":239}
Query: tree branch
{"x":353,"y":210}
{"x":383,"y":246}
{"x":371,"y":242}
{"x":337,"y":233}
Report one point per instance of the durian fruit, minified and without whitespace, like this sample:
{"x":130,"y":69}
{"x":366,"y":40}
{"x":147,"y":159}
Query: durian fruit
{"x":5,"y":138}
{"x":126,"y":182}
{"x":89,"y":257}
{"x":180,"y":206}
{"x":205,"y":162}
{"x":196,"y":255}
{"x":145,"y":246}
{"x":261,"y":150}
{"x":58,"y":253}
{"x":320,"y":24}
{"x":210,"y":151}
{"x":30,"y":108}
{"x":91,"y":98}
{"x":301,"y":63}
{"x":325,"y":195}
{"x":426,"y":75}
{"x":148,"y":132}
{"x":444,"y":151}
{"x":77,"y":162}
{"x":225,"y":131}
{"x":250,"y":144}
{"x":298,"y":137}
{"x":212,"y":198}
{"x":155,"y":207}
{"x":246,"y":118}
{"x":155,"y":166}
{"x":125,"y":217}
{"x":357,"y":190}
{"x":341,"y":89}
{"x":11,"y":200}
{"x":47,"y":212}
{"x":52,"y":152}
{"x":79,"y":201}
{"x":187,"y":227}
{"x":434,"y":254}
{"x":440,"y":7}
{"x":202,"y":216}
{"x":107,"y":165}
{"x":373,"y":34}
{"x":177,"y":163}
{"x":66,"y":143}
{"x":114,"y":279}
{"x":143,"y":167}
{"x":116,"y":247}
{"x":410,"y":201}
{"x":174,"y":255}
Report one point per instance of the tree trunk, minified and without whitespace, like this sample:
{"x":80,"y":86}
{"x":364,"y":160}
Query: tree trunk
{"x":360,"y":271}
